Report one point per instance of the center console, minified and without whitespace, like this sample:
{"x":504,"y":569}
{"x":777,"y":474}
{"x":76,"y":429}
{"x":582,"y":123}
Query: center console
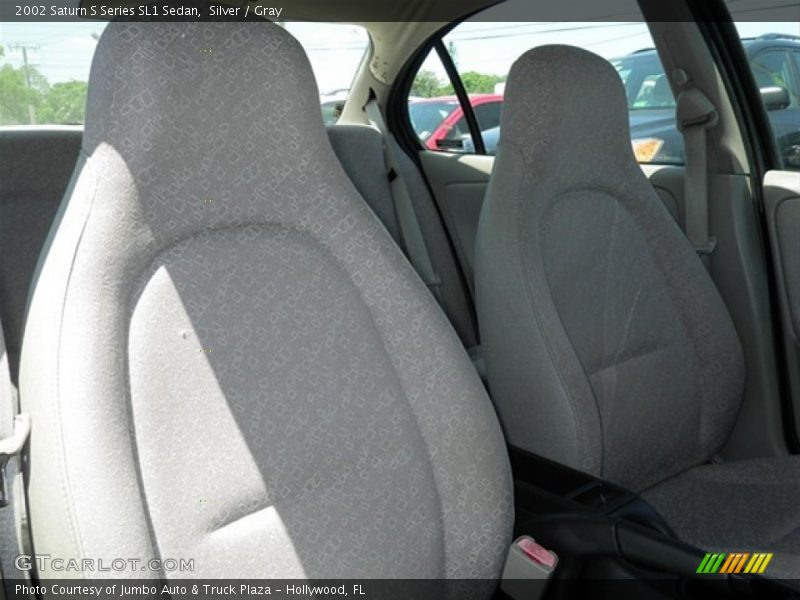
{"x":602,"y":532}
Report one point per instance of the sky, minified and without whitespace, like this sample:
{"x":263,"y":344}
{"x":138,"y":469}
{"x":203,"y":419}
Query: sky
{"x":63,"y":51}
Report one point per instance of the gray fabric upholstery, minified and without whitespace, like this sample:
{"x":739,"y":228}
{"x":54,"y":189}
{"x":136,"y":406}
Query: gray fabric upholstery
{"x":360,"y":150}
{"x":453,"y":288}
{"x":606,"y":344}
{"x":742,"y":506}
{"x":227,"y":358}
{"x":34,"y":171}
{"x":39,"y":165}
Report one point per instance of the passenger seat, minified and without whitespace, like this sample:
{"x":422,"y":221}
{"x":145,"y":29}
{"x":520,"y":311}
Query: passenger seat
{"x":608,"y":348}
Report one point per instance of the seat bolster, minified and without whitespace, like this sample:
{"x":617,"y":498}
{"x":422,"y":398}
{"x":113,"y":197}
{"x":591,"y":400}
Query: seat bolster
{"x":82,"y":486}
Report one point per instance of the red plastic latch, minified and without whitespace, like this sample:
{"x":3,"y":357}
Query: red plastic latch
{"x":536,"y":553}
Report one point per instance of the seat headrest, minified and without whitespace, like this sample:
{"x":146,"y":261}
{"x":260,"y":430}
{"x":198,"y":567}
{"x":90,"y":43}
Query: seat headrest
{"x":193,"y":126}
{"x":164,"y":83}
{"x":565,"y":106}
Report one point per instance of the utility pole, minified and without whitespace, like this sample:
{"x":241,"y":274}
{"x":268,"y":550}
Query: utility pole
{"x":26,"y":67}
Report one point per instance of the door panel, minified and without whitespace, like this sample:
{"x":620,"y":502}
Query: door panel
{"x":782,"y":206}
{"x":458,"y":182}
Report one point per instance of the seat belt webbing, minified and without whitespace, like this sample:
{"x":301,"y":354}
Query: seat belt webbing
{"x":695,"y":115}
{"x":411,"y":237}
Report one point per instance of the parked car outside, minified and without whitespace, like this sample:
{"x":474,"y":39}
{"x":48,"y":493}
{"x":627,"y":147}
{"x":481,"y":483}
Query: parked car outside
{"x":332,"y":105}
{"x":440,"y":124}
{"x":775,"y":62}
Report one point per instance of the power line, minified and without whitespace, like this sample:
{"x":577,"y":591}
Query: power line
{"x":530,"y":33}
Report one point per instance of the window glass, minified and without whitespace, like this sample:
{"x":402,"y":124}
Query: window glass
{"x":483,"y":51}
{"x":435,"y":113}
{"x":770,"y":48}
{"x":44,"y":67}
{"x":43,"y":71}
{"x":335,"y":51}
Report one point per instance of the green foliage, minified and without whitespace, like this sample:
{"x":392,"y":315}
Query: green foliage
{"x":480,"y":83}
{"x":427,"y":84}
{"x":16,"y":98}
{"x":64,"y":103}
{"x":27,"y":98}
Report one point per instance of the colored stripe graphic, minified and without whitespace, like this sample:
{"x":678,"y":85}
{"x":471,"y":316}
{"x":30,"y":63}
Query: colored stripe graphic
{"x":736,"y":562}
{"x":710,"y":563}
{"x":732,"y":558}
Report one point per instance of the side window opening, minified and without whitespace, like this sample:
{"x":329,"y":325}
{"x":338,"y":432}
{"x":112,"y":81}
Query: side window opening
{"x":44,"y":68}
{"x":772,"y":50}
{"x":483,"y":50}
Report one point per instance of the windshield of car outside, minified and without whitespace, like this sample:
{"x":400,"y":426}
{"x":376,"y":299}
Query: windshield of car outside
{"x":427,"y":116}
{"x":646,"y":84}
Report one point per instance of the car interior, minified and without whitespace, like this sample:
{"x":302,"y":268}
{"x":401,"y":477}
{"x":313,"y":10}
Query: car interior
{"x":290,"y":349}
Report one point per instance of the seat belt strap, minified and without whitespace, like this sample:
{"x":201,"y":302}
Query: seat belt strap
{"x":695,"y":114}
{"x":411,"y":237}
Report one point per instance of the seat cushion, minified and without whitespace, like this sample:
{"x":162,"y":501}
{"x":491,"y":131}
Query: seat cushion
{"x":741,"y":506}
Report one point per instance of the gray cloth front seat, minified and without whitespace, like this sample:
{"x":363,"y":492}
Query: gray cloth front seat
{"x":227,"y":359}
{"x":607,"y":346}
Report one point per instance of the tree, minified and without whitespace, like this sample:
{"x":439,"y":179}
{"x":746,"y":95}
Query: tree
{"x":64,"y":103}
{"x":426,"y":85}
{"x":21,"y":90}
{"x":16,"y":97}
{"x":480,"y":83}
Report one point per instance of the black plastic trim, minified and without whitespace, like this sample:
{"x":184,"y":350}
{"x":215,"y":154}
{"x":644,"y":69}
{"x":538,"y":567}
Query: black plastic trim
{"x":463,"y":97}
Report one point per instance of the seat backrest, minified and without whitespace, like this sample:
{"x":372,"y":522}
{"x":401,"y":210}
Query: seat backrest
{"x":226,"y":356}
{"x":607,"y":345}
{"x":31,"y":188}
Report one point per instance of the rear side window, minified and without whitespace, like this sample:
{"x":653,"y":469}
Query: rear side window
{"x":43,"y":71}
{"x":772,"y":50}
{"x":44,"y":68}
{"x":336,"y":51}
